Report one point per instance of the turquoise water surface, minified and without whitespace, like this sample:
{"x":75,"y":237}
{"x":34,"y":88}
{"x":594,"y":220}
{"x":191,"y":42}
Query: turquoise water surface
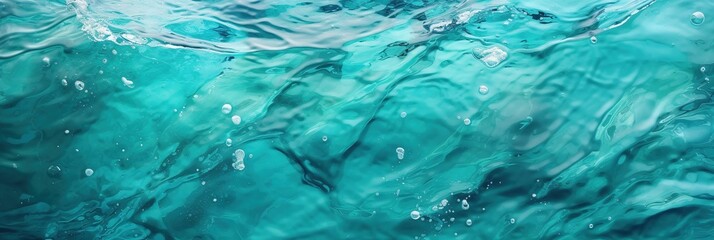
{"x":356,"y":119}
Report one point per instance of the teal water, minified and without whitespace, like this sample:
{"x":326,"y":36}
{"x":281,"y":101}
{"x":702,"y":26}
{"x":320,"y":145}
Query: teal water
{"x":356,"y":119}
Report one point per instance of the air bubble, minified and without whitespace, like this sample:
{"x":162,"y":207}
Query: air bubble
{"x":703,"y":69}
{"x":400,"y":153}
{"x":491,"y":57}
{"x":533,"y":195}
{"x":324,"y":138}
{"x":513,"y":220}
{"x":64,"y":82}
{"x":128,"y":83}
{"x":54,"y":171}
{"x":104,"y":60}
{"x":467,"y":121}
{"x":114,"y":51}
{"x":66,"y":131}
{"x":593,"y":39}
{"x":483,"y":89}
{"x":79,"y":85}
{"x":464,"y":204}
{"x":236,"y":119}
{"x":697,"y":18}
{"x":226,"y":108}
{"x":229,"y":142}
{"x":591,"y":226}
{"x":403,"y":114}
{"x":415,"y":215}
{"x":89,"y":172}
{"x":46,"y":60}
{"x":469,"y":222}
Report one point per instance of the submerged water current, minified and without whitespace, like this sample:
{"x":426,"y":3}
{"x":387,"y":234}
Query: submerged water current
{"x":356,"y":119}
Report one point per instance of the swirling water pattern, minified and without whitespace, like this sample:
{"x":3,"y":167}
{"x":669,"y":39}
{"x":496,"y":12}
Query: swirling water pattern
{"x":357,"y":119}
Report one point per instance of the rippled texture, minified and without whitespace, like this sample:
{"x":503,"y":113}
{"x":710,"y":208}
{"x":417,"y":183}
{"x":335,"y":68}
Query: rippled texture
{"x":356,"y":119}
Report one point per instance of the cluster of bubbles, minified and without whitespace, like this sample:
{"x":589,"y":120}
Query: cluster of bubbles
{"x":238,"y":164}
{"x":226,"y":109}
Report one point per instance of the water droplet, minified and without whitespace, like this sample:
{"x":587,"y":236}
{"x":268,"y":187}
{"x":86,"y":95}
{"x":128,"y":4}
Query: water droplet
{"x":483,"y":89}
{"x":415,"y":215}
{"x":226,"y":108}
{"x":89,"y":172}
{"x":464,"y":204}
{"x":64,"y":82}
{"x":467,"y":121}
{"x":229,"y":142}
{"x":591,"y":226}
{"x":79,"y":85}
{"x":400,"y":153}
{"x":236,"y":119}
{"x":469,"y":222}
{"x":324,"y":138}
{"x":128,"y":83}
{"x":403,"y":114}
{"x":697,"y":18}
{"x":513,"y":220}
{"x":491,"y":57}
{"x":593,"y":39}
{"x":54,"y":171}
